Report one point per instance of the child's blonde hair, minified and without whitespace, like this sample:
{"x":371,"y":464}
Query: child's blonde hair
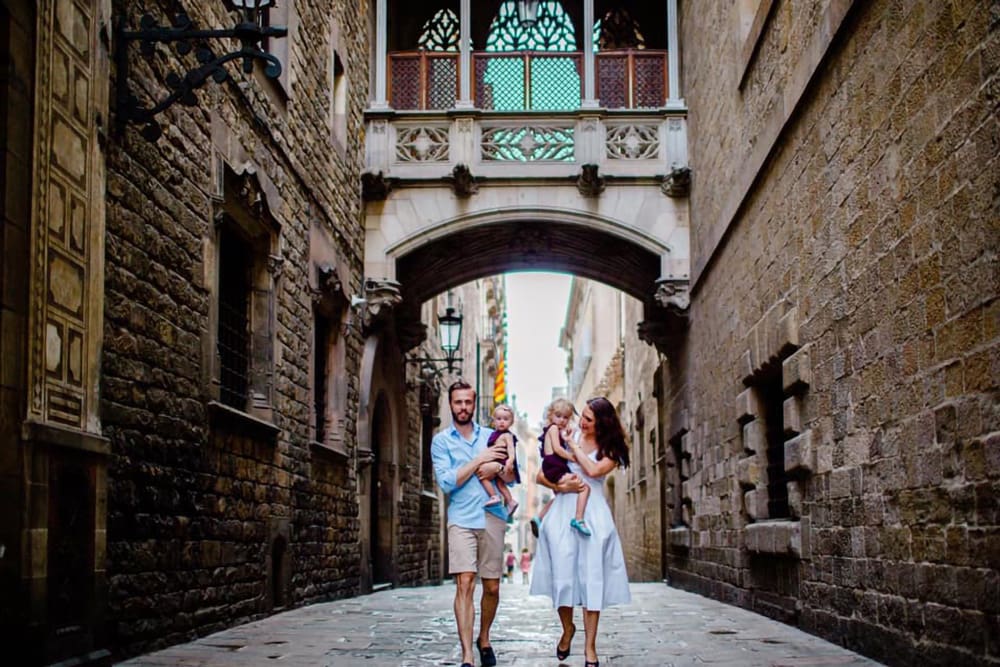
{"x":560,"y":406}
{"x":506,"y":408}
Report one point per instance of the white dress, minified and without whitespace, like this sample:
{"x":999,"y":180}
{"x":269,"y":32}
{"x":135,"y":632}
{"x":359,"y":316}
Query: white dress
{"x":575,"y":570}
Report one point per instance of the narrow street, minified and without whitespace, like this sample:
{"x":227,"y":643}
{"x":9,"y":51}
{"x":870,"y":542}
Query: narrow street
{"x":408,"y":627}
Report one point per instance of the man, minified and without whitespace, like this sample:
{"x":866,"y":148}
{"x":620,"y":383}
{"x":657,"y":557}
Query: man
{"x":475,"y":532}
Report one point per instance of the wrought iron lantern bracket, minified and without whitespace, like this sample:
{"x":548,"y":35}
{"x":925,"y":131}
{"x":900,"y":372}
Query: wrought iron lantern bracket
{"x":182,"y":34}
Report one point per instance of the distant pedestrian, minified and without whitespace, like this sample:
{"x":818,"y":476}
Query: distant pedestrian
{"x":511,"y":560}
{"x":576,"y":570}
{"x":503,"y":419}
{"x":475,"y":532}
{"x":525,"y":564}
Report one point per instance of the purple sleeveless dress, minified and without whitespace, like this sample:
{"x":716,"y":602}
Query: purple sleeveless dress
{"x":553,"y":465}
{"x":496,"y":436}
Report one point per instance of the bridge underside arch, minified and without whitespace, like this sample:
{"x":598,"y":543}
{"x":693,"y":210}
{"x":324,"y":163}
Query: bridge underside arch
{"x":472,"y":252}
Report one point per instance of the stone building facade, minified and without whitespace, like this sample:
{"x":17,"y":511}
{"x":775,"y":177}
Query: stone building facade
{"x":827,"y":422}
{"x":207,"y":412}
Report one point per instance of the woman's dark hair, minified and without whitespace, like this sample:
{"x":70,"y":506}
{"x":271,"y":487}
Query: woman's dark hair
{"x":608,"y":431}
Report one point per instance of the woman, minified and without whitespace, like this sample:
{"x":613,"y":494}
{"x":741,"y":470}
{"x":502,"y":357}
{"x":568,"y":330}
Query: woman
{"x":573,"y":569}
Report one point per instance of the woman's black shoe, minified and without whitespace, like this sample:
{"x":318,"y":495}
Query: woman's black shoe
{"x":487,"y":658}
{"x":563,"y":654}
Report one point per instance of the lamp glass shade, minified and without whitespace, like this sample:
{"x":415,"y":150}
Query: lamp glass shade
{"x":527,"y":12}
{"x":450,"y":327}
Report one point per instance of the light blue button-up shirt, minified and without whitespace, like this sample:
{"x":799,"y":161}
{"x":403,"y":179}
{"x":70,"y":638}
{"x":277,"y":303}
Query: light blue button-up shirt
{"x":449,"y":452}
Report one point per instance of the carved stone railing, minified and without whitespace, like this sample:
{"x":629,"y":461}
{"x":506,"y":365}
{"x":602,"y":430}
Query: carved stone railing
{"x":622,"y":144}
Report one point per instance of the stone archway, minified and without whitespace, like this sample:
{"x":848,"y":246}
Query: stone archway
{"x":380,"y":433}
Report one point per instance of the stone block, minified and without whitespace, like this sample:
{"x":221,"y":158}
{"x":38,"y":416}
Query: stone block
{"x":799,"y":456}
{"x":755,"y":504}
{"x":783,"y":538}
{"x":748,"y":473}
{"x":748,"y":406}
{"x":794,"y":499}
{"x":792,"y":416}
{"x":796,"y":372}
{"x":744,"y":367}
{"x":680,"y":538}
{"x":787,"y":334}
{"x":753,"y":437}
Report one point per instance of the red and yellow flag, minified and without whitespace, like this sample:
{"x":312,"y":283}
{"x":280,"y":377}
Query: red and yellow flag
{"x":500,"y":383}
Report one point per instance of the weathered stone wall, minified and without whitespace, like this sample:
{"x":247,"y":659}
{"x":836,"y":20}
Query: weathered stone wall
{"x":862,"y":263}
{"x":194,"y":508}
{"x":17,"y":64}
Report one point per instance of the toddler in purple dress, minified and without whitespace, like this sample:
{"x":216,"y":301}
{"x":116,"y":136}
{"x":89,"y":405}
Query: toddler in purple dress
{"x":503,"y":419}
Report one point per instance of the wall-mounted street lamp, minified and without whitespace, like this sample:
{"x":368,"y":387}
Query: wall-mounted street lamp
{"x":527,"y":13}
{"x":450,"y":326}
{"x":251,"y":31}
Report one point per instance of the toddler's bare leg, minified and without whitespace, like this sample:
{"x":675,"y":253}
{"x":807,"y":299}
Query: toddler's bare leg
{"x":504,"y":491}
{"x":581,"y":502}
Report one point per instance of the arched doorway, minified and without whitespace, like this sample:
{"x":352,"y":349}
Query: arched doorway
{"x":382,"y":502}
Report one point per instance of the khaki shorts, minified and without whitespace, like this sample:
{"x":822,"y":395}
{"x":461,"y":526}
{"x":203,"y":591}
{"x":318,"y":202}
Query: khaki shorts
{"x":477,"y":550}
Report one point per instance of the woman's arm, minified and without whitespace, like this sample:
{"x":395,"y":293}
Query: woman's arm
{"x":568,"y":484}
{"x":554,"y":442}
{"x":592,"y":468}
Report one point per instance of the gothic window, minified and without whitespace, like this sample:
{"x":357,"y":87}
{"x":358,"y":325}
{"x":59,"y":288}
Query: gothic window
{"x":440,"y":32}
{"x":234,"y":320}
{"x":618,"y":30}
{"x":280,"y":14}
{"x":338,"y":99}
{"x":552,"y":31}
{"x":323,"y":339}
{"x":539,"y":82}
{"x":243,"y":268}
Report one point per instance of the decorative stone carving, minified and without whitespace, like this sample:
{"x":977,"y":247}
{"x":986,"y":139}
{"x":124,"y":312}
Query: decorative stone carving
{"x":677,"y":183}
{"x":376,"y":187}
{"x":329,"y":288}
{"x":410,"y":333}
{"x":589,"y":182}
{"x":462,"y":181}
{"x":674,"y":295}
{"x":381,"y":296}
{"x":275,"y":265}
{"x":528,"y":144}
{"x":657,"y":333}
{"x":632,"y":142}
{"x":422,"y":144}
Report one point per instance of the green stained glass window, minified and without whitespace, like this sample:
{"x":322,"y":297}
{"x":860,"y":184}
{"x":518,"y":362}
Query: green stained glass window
{"x":535,"y":81}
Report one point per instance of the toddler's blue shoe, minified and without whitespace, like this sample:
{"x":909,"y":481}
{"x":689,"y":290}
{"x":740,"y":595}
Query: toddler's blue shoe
{"x":536,"y":526}
{"x":581,"y":527}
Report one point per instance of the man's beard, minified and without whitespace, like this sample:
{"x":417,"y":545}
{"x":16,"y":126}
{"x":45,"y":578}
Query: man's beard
{"x":459,"y":421}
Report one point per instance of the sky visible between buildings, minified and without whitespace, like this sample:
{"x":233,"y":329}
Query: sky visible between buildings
{"x":536,"y":308}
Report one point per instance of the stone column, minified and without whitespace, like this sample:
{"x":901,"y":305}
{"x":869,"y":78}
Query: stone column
{"x":465,"y":56}
{"x":381,"y":27}
{"x":588,"y":102}
{"x":674,"y":99}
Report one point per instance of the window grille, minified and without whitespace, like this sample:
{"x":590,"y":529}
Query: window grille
{"x":234,"y":319}
{"x":321,"y":360}
{"x":440,"y":32}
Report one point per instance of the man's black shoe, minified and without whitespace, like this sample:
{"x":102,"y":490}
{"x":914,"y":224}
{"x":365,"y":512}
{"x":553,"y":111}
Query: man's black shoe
{"x":487,"y":658}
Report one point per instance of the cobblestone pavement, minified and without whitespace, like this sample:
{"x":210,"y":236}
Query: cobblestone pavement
{"x":413,"y":627}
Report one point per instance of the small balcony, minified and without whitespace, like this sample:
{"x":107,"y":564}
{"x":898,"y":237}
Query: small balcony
{"x":526,"y":118}
{"x":527,"y":81}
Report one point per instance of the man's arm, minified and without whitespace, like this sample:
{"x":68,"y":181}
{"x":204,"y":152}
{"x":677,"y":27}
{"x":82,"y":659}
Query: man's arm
{"x":450,"y":478}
